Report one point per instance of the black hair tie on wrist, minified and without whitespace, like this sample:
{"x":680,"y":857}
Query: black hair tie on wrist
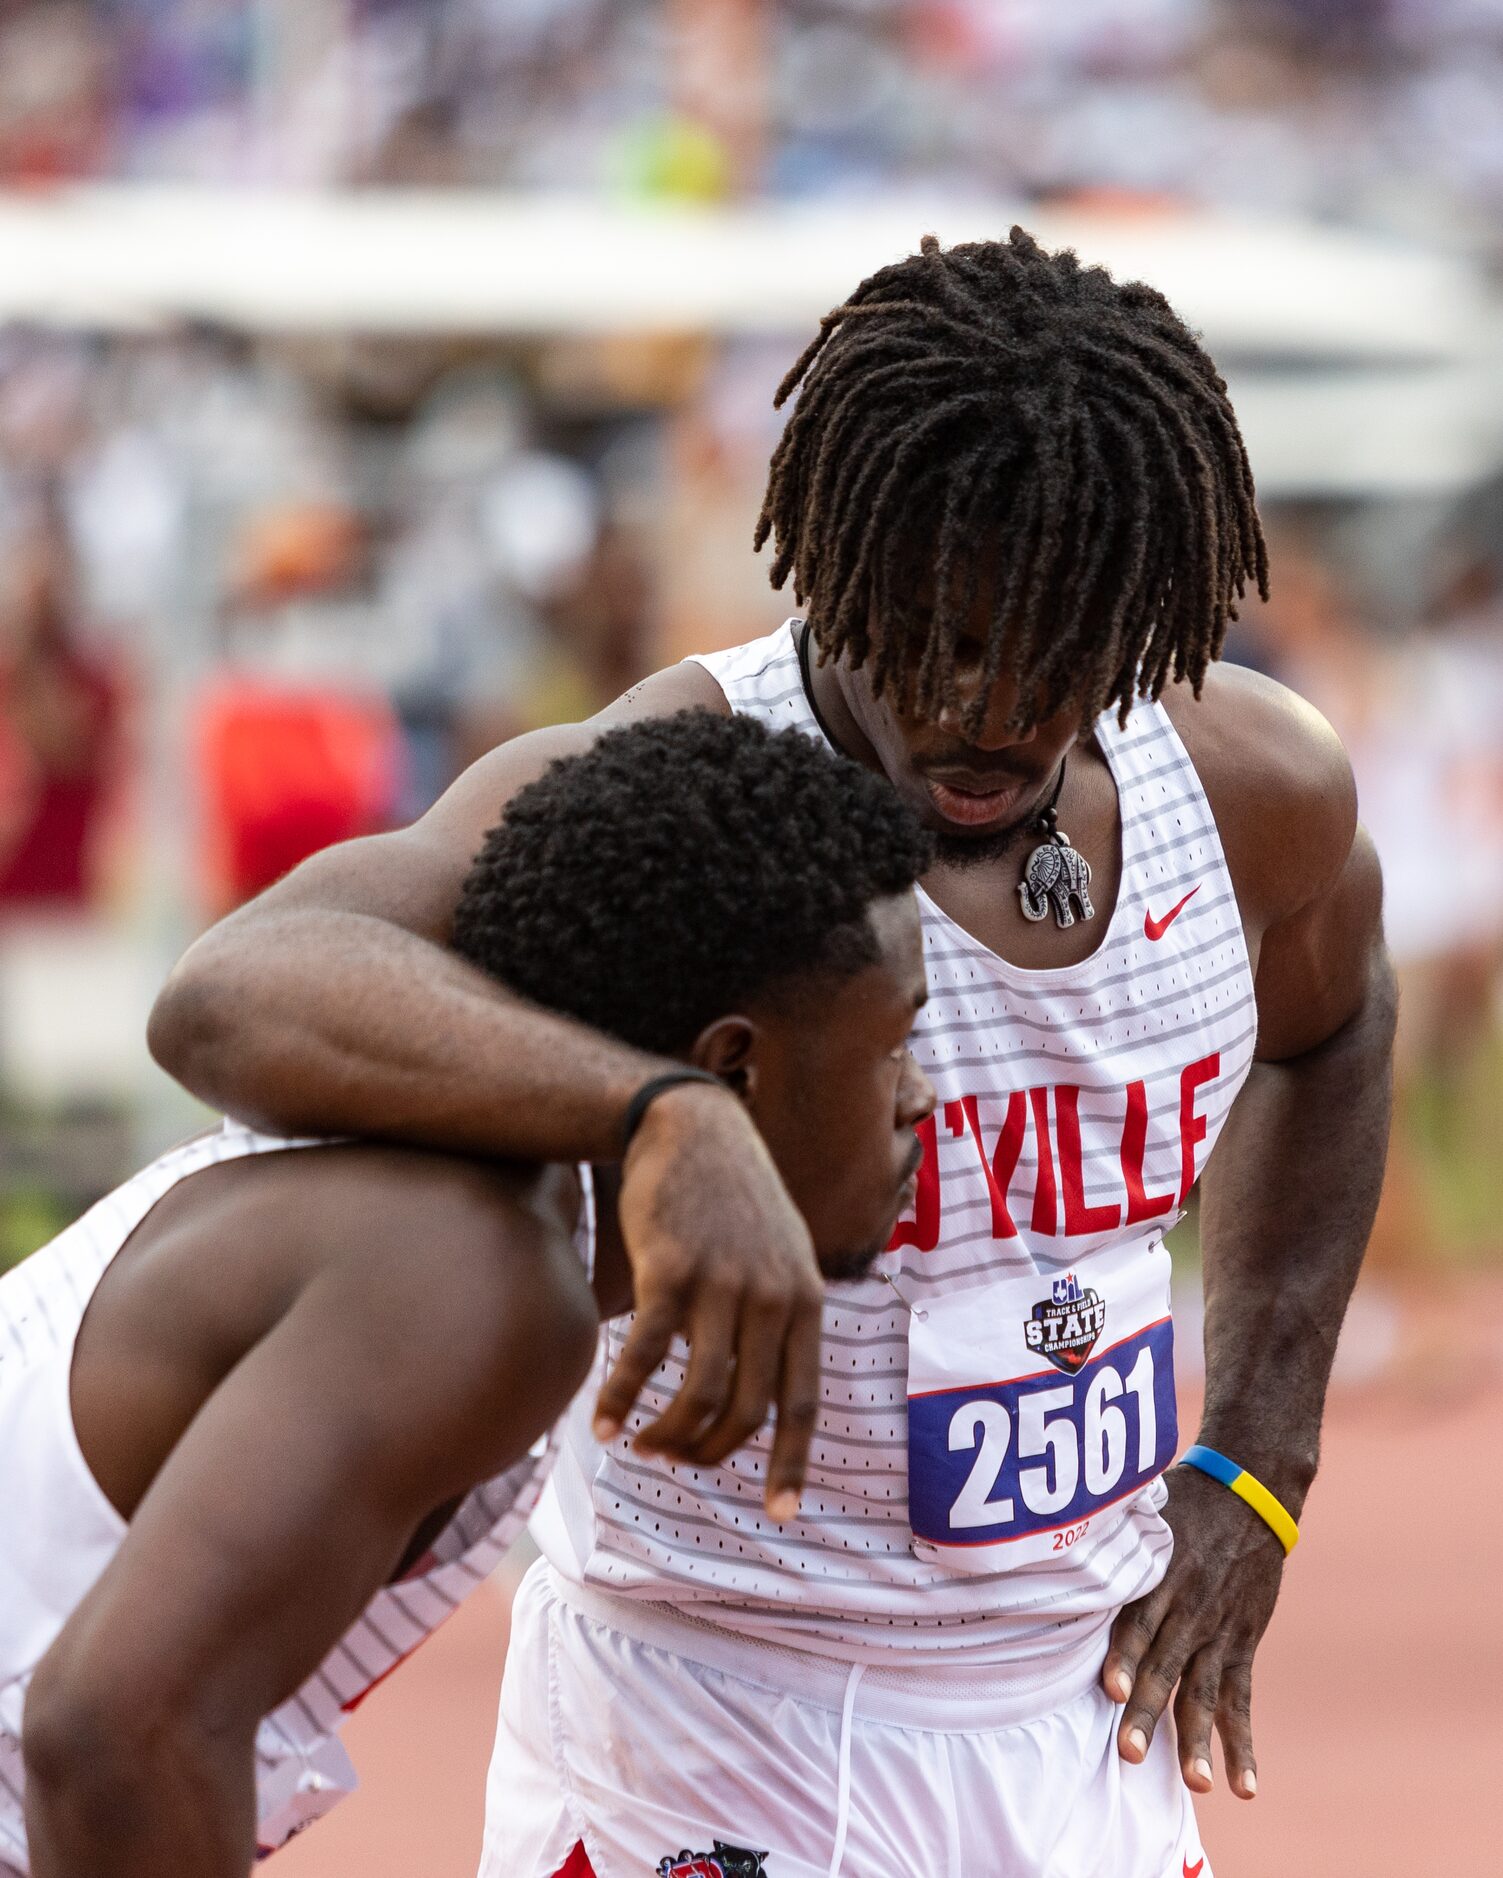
{"x":651,"y":1090}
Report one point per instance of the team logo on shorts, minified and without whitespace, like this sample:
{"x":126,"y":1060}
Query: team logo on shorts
{"x":726,"y":1861}
{"x":1064,"y":1326}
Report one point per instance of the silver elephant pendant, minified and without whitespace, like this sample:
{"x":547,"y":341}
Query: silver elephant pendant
{"x":1054,"y":875}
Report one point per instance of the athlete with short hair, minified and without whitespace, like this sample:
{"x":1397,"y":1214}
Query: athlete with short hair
{"x":1013,"y":495}
{"x":266,"y":1416}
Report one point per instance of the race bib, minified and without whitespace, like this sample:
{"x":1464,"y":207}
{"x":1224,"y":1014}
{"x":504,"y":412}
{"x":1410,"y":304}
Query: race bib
{"x":1037,"y":1407}
{"x":294,"y":1792}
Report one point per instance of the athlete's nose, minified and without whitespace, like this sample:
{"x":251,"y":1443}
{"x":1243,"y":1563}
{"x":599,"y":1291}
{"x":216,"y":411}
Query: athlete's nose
{"x":995,"y":731}
{"x":916,"y":1097}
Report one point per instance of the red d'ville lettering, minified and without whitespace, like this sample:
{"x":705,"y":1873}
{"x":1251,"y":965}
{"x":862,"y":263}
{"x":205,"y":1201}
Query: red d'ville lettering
{"x":999,"y":1170}
{"x":923,"y":1229}
{"x":1044,"y":1210}
{"x":1079,"y":1218}
{"x":1141,"y":1206}
{"x":961,"y":1117}
{"x":1192,"y":1127}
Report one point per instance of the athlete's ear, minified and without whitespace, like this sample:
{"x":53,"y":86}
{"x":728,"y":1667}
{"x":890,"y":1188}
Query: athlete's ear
{"x":728,"y":1049}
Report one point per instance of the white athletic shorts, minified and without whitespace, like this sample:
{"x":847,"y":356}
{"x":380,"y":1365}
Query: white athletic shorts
{"x":637,"y":1743}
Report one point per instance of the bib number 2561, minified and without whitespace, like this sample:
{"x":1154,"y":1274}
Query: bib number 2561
{"x":1005,"y":1459}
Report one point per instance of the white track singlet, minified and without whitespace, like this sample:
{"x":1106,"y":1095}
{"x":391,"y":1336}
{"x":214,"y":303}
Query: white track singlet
{"x":59,"y":1532}
{"x":986,"y":1470}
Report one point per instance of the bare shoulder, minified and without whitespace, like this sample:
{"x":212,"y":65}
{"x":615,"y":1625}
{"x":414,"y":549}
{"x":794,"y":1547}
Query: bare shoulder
{"x":463,"y":1271}
{"x":455,"y":1260}
{"x":685,"y":687}
{"x":431,"y":1259}
{"x":303,"y":1213}
{"x":475,"y":802}
{"x":375,"y":1201}
{"x":1279,"y":783}
{"x":422,"y":868}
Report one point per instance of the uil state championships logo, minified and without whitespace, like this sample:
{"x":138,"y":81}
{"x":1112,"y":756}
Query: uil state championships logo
{"x":726,"y":1861}
{"x":1064,"y":1326}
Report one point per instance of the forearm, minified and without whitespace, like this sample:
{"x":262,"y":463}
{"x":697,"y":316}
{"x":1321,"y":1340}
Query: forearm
{"x":1287,"y":1208}
{"x":182,"y":1803}
{"x":314,"y":1021}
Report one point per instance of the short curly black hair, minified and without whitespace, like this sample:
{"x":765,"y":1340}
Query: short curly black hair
{"x":681,"y":868}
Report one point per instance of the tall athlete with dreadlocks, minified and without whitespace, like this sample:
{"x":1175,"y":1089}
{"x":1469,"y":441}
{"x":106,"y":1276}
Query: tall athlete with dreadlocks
{"x":1013,"y":496}
{"x":1117,"y":496}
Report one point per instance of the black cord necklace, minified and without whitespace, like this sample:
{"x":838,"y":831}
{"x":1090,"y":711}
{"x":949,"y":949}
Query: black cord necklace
{"x":1044,"y":821}
{"x":806,"y":678}
{"x":1055,"y":873}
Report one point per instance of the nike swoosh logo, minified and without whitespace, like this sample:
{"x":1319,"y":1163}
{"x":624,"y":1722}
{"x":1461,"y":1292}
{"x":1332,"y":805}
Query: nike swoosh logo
{"x":1190,"y":1871}
{"x":1155,"y":929}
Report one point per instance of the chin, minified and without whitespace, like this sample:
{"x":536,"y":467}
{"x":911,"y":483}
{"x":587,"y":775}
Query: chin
{"x":849,"y":1268}
{"x":957,"y":851}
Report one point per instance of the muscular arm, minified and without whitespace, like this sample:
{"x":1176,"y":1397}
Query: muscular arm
{"x":330,"y":1006}
{"x":1291,"y":1191}
{"x":1288,"y":1201}
{"x":399,"y":1378}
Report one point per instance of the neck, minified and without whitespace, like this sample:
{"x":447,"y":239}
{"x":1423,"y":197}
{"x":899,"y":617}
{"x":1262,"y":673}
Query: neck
{"x":836,"y":692}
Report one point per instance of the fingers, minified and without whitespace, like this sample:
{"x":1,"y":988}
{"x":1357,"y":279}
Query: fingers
{"x":798,"y":1405}
{"x":745,"y":1357}
{"x":721,"y":1403}
{"x":1135,"y":1628}
{"x":738,"y":1280}
{"x":1194,"y":1711}
{"x":1153,"y":1683}
{"x":1196,"y":1633}
{"x":706,"y":1387}
{"x":775,"y":1359}
{"x":1149,"y":1656}
{"x":1234,"y":1725}
{"x":759,"y":1355}
{"x":645,"y":1347}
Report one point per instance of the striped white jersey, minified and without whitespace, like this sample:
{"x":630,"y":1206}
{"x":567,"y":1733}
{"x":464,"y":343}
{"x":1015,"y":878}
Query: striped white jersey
{"x":1076,"y":1107}
{"x":59,"y":1532}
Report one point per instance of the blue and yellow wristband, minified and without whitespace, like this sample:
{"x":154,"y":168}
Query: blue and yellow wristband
{"x":1268,"y":1509}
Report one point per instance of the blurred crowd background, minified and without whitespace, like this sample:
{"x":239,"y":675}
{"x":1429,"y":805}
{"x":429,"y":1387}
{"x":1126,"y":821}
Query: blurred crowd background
{"x":261,"y":589}
{"x":1380,"y":109}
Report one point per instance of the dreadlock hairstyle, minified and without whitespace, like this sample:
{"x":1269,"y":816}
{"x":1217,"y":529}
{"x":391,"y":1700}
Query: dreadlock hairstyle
{"x":995,"y":402}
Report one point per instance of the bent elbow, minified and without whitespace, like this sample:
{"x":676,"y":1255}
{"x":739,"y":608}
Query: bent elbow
{"x":203,"y":1030}
{"x":188,"y":1021}
{"x":108,"y":1755}
{"x":85,"y":1753}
